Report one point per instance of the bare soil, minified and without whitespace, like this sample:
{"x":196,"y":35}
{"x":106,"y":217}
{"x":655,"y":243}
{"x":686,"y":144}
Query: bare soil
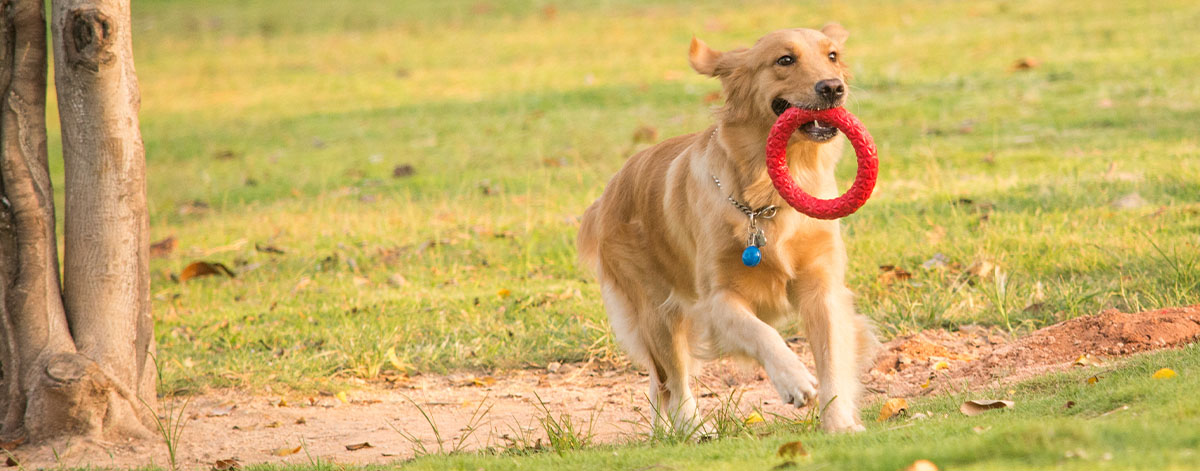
{"x":297,"y":429}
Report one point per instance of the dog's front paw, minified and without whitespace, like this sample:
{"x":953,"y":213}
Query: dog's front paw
{"x":837,"y":417}
{"x":795,"y":386}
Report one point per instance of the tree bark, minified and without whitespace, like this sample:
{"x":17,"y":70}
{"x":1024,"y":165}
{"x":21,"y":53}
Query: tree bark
{"x":76,"y":358}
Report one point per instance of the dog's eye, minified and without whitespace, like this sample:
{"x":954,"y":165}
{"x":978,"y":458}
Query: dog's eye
{"x":785,"y":60}
{"x":833,"y":56}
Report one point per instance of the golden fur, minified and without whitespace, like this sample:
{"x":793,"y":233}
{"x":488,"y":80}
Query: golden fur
{"x":666,"y":244}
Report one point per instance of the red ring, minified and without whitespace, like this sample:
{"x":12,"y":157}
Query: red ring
{"x":864,"y":148}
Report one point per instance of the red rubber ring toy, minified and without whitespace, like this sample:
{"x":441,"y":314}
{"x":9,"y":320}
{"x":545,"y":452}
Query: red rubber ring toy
{"x":864,"y":148}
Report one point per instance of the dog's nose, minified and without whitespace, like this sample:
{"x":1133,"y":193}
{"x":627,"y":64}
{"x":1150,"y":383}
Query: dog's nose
{"x":831,"y":90}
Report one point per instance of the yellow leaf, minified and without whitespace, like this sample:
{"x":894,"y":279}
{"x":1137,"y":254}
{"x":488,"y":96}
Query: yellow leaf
{"x":395,"y":361}
{"x":1088,"y":360}
{"x":504,"y":293}
{"x":341,"y":396}
{"x":1093,"y":380}
{"x":1165,"y":373}
{"x":941,"y":365}
{"x":286,"y":451}
{"x":754,"y":418}
{"x":791,"y":449}
{"x":892,"y":408}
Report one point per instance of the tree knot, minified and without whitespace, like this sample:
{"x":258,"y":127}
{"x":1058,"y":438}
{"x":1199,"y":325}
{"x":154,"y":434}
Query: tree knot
{"x":89,"y":37}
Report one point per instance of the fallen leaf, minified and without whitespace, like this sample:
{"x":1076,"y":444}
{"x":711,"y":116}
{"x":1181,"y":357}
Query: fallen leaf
{"x":892,"y":408}
{"x":1069,"y":405}
{"x":503,"y":293}
{"x":301,"y":421}
{"x":1026,"y":63}
{"x":395,"y":361}
{"x":1165,"y":373}
{"x":341,"y":396}
{"x":163,"y":247}
{"x":286,"y":451}
{"x":1093,"y":380}
{"x":922,"y":465}
{"x":645,"y":134}
{"x":754,"y":418}
{"x":231,"y":464}
{"x":11,"y":461}
{"x":979,"y":406}
{"x":269,"y":249}
{"x":222,"y":411}
{"x":939,"y":259}
{"x":11,"y":445}
{"x":397,"y":280}
{"x":274,"y":424}
{"x":403,"y":170}
{"x":889,"y":274}
{"x":941,"y":365}
{"x":282,"y":403}
{"x":982,"y":269}
{"x":358,"y":446}
{"x":1088,"y":360}
{"x":477,"y":381}
{"x":199,"y":269}
{"x":791,"y":450}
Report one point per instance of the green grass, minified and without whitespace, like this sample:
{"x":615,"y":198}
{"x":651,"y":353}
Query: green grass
{"x":314,"y":105}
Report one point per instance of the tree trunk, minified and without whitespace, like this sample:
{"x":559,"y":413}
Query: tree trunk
{"x":74,"y":359}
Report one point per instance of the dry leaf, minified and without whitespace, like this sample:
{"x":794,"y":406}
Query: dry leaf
{"x":982,"y":269}
{"x":754,"y":418}
{"x":231,"y":464}
{"x":274,"y":424}
{"x":395,"y":361}
{"x":1165,"y":373}
{"x":647,"y":134}
{"x":941,"y":365}
{"x":271,"y":249}
{"x":301,"y":421}
{"x":1093,"y":380}
{"x":358,"y":446}
{"x":1088,"y":360}
{"x":199,"y":269}
{"x":1069,"y":405}
{"x":892,"y":408}
{"x":889,"y":274}
{"x":11,"y":461}
{"x":1026,"y":63}
{"x":341,"y":396}
{"x":503,"y":293}
{"x":791,"y":450}
{"x":221,"y":411}
{"x":403,"y":170}
{"x":286,"y":451}
{"x":922,"y":465}
{"x":979,"y":406}
{"x":163,"y":247}
{"x":12,"y":444}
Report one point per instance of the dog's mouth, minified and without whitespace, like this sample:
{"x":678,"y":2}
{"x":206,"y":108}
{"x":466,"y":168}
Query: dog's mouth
{"x":814,"y":131}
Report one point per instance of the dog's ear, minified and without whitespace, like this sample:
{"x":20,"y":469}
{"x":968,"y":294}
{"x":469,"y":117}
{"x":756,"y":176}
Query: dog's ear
{"x":703,"y":59}
{"x":836,"y":32}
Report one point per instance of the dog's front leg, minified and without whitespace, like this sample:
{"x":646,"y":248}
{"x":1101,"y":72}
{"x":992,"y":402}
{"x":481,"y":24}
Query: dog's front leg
{"x":735,"y":329}
{"x":840,"y":341}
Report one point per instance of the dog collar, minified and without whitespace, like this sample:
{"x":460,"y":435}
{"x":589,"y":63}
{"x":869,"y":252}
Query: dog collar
{"x":756,"y":238}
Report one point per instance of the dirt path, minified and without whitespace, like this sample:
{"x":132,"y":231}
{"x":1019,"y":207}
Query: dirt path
{"x":253,"y":429}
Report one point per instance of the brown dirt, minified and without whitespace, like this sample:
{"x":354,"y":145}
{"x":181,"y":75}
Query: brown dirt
{"x":231,"y":424}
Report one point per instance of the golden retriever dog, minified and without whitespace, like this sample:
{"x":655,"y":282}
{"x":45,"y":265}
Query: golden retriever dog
{"x":666,"y":238}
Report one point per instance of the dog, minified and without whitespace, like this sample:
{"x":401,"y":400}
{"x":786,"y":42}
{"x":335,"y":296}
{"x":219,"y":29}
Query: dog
{"x":665,"y":238}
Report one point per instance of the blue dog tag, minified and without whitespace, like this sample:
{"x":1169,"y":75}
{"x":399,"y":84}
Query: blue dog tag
{"x":751,"y":256}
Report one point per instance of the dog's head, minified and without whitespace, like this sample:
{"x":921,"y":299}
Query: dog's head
{"x":786,"y":68}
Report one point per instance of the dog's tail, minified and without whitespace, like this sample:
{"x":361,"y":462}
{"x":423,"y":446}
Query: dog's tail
{"x":588,"y":239}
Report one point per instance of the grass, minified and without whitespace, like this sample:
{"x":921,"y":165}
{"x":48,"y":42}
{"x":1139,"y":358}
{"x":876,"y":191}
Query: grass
{"x":282,"y":127}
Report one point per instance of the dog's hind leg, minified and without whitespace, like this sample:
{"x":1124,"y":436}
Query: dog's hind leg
{"x":670,"y":388}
